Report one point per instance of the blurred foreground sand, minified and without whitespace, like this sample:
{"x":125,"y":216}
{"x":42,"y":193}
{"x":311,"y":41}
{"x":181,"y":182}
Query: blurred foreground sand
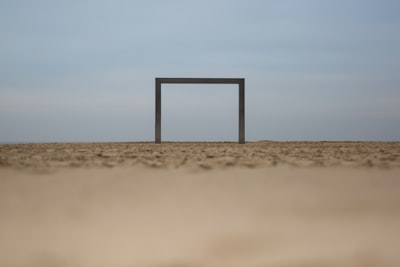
{"x":200,"y":204}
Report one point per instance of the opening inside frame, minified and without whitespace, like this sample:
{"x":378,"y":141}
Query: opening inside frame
{"x":199,"y":112}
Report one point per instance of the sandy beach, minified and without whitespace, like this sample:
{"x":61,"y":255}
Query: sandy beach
{"x":283,"y":204}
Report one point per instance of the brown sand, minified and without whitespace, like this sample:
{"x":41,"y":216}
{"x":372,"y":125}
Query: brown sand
{"x":200,"y":204}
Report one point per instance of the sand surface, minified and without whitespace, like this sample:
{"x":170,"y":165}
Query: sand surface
{"x":282,"y":204}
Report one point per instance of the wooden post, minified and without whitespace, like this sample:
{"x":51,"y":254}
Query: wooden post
{"x":241,"y":112}
{"x":158,"y":111}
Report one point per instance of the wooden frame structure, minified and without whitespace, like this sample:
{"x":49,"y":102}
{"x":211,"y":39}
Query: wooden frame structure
{"x":238,"y":81}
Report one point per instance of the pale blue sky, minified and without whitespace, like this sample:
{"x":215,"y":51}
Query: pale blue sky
{"x":84,"y":70}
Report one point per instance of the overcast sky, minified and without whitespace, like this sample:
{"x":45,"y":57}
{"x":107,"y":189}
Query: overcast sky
{"x":83,"y":70}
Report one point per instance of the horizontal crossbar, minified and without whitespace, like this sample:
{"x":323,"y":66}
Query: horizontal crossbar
{"x":201,"y":80}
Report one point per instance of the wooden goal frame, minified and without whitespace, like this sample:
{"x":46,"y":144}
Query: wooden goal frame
{"x":238,"y":81}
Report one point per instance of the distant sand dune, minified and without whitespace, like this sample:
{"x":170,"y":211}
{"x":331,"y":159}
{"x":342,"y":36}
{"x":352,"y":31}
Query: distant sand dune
{"x":283,"y":204}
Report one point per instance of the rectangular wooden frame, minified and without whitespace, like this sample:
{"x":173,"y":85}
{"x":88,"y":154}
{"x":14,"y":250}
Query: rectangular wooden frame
{"x":238,"y":81}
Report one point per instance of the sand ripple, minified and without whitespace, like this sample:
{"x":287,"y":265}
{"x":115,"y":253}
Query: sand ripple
{"x":201,"y":155}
